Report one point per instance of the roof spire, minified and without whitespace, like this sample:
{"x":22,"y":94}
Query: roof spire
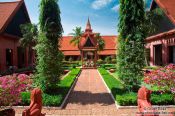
{"x":88,"y":26}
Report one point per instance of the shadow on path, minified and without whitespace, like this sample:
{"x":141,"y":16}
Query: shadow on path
{"x":88,"y":98}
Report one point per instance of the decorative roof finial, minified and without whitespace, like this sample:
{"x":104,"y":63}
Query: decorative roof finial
{"x":88,"y":25}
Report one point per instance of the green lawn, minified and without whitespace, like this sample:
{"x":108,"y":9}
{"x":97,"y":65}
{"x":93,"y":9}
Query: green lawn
{"x":56,"y":98}
{"x":125,"y":98}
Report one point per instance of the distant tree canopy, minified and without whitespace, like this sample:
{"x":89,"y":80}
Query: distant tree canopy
{"x":77,"y":34}
{"x":100,"y":42}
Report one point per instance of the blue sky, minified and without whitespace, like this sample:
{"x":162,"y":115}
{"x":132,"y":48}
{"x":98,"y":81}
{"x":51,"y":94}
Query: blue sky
{"x":103,"y":14}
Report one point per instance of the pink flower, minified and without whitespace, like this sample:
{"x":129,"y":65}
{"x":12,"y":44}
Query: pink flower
{"x":11,"y":88}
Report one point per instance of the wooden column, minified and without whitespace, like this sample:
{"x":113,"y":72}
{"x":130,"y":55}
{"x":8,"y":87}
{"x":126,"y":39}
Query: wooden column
{"x":82,"y":55}
{"x":27,"y":57}
{"x":165,"y":53}
{"x":95,"y":58}
{"x":151,"y":55}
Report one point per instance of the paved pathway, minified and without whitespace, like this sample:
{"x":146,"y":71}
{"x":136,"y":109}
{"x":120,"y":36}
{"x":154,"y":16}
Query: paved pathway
{"x":88,"y":98}
{"x":90,"y":92}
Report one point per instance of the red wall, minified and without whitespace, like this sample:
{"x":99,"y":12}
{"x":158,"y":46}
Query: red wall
{"x":11,"y":43}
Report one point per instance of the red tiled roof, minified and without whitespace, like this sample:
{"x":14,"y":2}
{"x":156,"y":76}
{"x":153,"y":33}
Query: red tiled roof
{"x":161,"y":35}
{"x":65,"y":44}
{"x":107,"y":52}
{"x":72,"y":53}
{"x":7,"y":11}
{"x":168,"y":6}
{"x":110,"y":42}
{"x":70,"y":49}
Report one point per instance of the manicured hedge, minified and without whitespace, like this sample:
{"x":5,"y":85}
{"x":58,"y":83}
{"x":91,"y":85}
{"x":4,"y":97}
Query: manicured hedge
{"x":54,"y":99}
{"x":125,"y":98}
{"x":156,"y":99}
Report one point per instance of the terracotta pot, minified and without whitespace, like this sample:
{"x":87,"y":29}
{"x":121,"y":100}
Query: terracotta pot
{"x":7,"y":112}
{"x":66,"y":71}
{"x":112,"y":70}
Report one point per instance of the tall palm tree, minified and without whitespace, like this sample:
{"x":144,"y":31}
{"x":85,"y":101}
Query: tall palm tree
{"x":30,"y":34}
{"x":100,"y":42}
{"x":77,"y":34}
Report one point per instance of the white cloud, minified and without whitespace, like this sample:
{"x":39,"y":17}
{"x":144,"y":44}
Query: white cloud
{"x":116,"y":8}
{"x":98,"y":4}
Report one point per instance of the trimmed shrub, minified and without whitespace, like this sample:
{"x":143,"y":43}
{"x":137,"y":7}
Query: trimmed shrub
{"x":114,"y":61}
{"x":162,"y":99}
{"x":99,"y":61}
{"x":25,"y":98}
{"x":127,"y":99}
{"x":55,"y":98}
{"x":108,"y":59}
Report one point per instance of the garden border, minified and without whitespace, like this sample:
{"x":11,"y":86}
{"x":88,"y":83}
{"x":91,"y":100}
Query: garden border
{"x":109,"y":91}
{"x":73,"y":85}
{"x":50,"y":107}
{"x":130,"y":107}
{"x":135,"y":107}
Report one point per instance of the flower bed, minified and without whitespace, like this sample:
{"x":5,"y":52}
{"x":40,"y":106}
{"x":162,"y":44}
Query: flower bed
{"x":11,"y":87}
{"x":161,"y":79}
{"x":125,"y":98}
{"x":56,"y":98}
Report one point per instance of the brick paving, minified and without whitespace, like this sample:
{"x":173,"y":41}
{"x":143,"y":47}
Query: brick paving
{"x":90,"y":92}
{"x":89,"y":98}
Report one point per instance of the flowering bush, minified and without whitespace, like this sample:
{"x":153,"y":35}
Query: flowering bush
{"x":163,"y":79}
{"x":11,"y":88}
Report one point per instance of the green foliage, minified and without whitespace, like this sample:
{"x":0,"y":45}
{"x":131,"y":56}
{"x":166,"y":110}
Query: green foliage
{"x":77,"y":34}
{"x":25,"y":96}
{"x":110,"y":80}
{"x":52,"y":100}
{"x":49,"y":19}
{"x":114,"y":61}
{"x":162,"y":99}
{"x":100,"y":41}
{"x":152,"y":21}
{"x":99,"y":61}
{"x":108,"y":59}
{"x":55,"y":98}
{"x":49,"y":58}
{"x":108,"y":66}
{"x":127,"y":99}
{"x":30,"y":34}
{"x":130,"y":57}
{"x":48,"y":64}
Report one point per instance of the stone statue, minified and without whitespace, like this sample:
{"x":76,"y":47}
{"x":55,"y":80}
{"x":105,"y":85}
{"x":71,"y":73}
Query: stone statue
{"x":144,"y":104}
{"x":35,"y":104}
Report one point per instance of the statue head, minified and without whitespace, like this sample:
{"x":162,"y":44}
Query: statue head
{"x":144,"y":93}
{"x":36,"y":96}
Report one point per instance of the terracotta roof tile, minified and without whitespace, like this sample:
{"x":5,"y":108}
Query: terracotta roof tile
{"x":70,"y":49}
{"x":110,"y":42}
{"x":65,"y":44}
{"x":6,"y":11}
{"x":107,"y":52}
{"x":72,"y":53}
